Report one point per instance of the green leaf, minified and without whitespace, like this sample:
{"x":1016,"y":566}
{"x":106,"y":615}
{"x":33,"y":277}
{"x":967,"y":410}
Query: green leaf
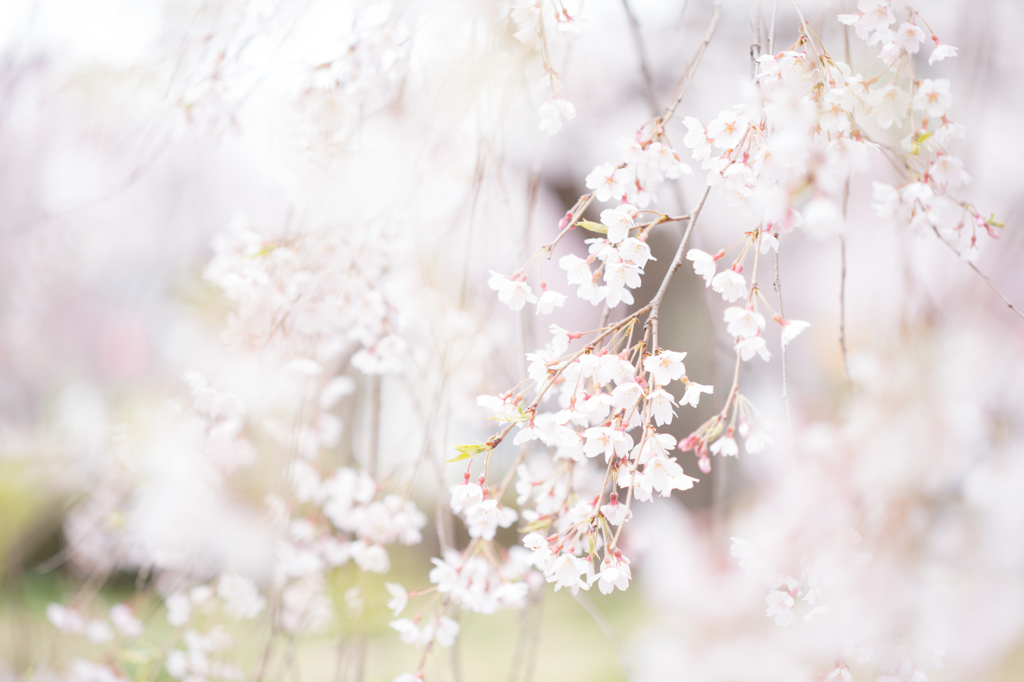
{"x":467,"y":451}
{"x":915,"y":146}
{"x":521,"y":417}
{"x":593,"y":227}
{"x":536,"y":525}
{"x":267,"y":248}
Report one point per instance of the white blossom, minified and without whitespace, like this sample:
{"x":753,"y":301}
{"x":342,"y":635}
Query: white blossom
{"x":665,"y":366}
{"x":730,"y":284}
{"x":703,"y":264}
{"x":933,"y":97}
{"x":693,"y":390}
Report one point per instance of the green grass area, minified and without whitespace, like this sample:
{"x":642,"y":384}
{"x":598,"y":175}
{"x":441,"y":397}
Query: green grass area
{"x":555,"y":638}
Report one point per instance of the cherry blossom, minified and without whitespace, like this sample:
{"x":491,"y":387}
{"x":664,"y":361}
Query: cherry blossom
{"x":466,"y":497}
{"x":697,"y":138}
{"x":661,"y":402}
{"x":780,"y":605}
{"x":548,"y":301}
{"x":485,"y":518}
{"x":399,"y":597}
{"x":664,"y":475}
{"x":693,"y":390}
{"x":552,"y":112}
{"x":742,"y":323}
{"x":873,"y":16}
{"x":514,"y":293}
{"x":615,"y":511}
{"x":567,"y":571}
{"x":665,"y":366}
{"x":727,"y":129}
{"x":703,"y":264}
{"x":791,"y":329}
{"x":909,"y":38}
{"x":730,"y":284}
{"x":725,"y":446}
{"x":948,"y":171}
{"x":527,"y":16}
{"x":941,"y":51}
{"x":889,"y":104}
{"x":242,"y":600}
{"x":933,"y":97}
{"x":124,"y":619}
{"x":619,"y":223}
{"x":754,"y":345}
{"x":608,"y":182}
{"x":614,"y":574}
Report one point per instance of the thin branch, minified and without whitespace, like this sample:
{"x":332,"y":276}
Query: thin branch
{"x":842,"y":306}
{"x":268,"y":644}
{"x":771,"y":30}
{"x":649,"y":92}
{"x":534,"y":648}
{"x":651,"y":327}
{"x":526,"y":627}
{"x":718,"y":500}
{"x":691,"y":67}
{"x":842,"y":287}
{"x":846,"y":34}
{"x":638,"y":41}
{"x":456,"y":656}
{"x":606,"y":629}
{"x":682,"y":13}
{"x":755,"y":36}
{"x":785,"y":376}
{"x":986,"y":278}
{"x":677,"y":260}
{"x":375,"y":408}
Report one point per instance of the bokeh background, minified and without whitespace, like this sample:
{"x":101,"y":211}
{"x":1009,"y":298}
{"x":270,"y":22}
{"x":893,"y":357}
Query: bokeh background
{"x":133,"y":133}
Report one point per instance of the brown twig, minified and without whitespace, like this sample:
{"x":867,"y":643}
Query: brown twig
{"x":634,"y":26}
{"x":677,"y":260}
{"x":986,"y":278}
{"x":606,"y":629}
{"x":755,"y":36}
{"x":691,"y":66}
{"x":842,"y":287}
{"x":785,"y":376}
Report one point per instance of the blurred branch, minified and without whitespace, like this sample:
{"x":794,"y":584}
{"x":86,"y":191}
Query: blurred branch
{"x":988,"y":280}
{"x":785,"y":376}
{"x":375,"y":407}
{"x":842,"y":286}
{"x":606,"y":629}
{"x":520,"y":659}
{"x":755,"y":36}
{"x":133,"y":177}
{"x":846,"y":33}
{"x":691,"y":67}
{"x":677,"y":260}
{"x":638,"y":42}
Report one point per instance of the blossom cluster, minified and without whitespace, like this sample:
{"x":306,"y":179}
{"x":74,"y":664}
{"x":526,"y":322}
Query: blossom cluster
{"x":538,"y":24}
{"x":313,"y":296}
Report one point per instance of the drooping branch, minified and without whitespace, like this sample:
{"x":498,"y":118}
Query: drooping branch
{"x":691,"y":66}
